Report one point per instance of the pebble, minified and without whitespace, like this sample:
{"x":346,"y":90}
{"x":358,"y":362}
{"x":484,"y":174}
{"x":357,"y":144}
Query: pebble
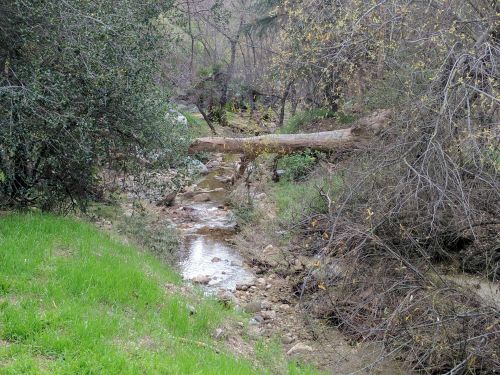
{"x":191,"y":309}
{"x":215,"y":259}
{"x":287,"y":340}
{"x":258,"y":318}
{"x":266,"y":305}
{"x":268,"y":249}
{"x":242,"y":287}
{"x":253,"y":322}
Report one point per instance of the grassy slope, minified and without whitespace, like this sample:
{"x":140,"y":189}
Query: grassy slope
{"x":75,"y":301}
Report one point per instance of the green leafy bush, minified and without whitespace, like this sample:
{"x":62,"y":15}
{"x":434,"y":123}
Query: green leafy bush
{"x":77,"y":91}
{"x":297,"y":166}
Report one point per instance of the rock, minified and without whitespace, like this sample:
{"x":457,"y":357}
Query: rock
{"x":258,"y":318}
{"x":253,"y":322}
{"x":175,"y":115}
{"x":213,"y":164}
{"x":298,"y":266}
{"x":268,"y":249}
{"x":219,"y":334}
{"x":168,"y":201}
{"x":273,"y":263}
{"x":225,"y":296}
{"x":242,"y":287}
{"x":204,"y":280}
{"x":269,"y":286}
{"x":215,"y":259}
{"x":203,"y":197}
{"x":261,"y":281}
{"x":269,"y":315}
{"x":235,"y":263}
{"x":224,"y":179}
{"x":287,"y":339}
{"x":191,"y":309}
{"x":299,"y":348}
{"x":199,"y":167}
{"x":253,"y":307}
{"x":202,"y":168}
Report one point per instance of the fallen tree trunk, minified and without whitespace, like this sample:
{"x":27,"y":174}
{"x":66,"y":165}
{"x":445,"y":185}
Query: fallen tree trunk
{"x":288,"y":143}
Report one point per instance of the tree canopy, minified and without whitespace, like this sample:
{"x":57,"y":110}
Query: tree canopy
{"x":79,"y":85}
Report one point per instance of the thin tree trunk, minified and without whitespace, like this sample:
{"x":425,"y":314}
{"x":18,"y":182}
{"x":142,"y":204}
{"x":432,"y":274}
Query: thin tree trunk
{"x":190,"y":30}
{"x":281,"y":118}
{"x":206,"y":118}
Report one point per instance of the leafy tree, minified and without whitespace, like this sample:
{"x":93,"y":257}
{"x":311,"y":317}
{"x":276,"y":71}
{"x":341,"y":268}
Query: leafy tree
{"x":78,"y":90}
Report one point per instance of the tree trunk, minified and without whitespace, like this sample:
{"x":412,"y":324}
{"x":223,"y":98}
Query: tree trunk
{"x":230,"y":69}
{"x":288,"y":143}
{"x":206,"y":118}
{"x":281,"y":118}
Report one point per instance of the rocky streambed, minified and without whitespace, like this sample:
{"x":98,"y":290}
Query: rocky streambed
{"x":207,"y":225}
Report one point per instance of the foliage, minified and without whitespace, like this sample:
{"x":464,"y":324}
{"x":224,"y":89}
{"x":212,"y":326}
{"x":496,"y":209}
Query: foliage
{"x":143,"y":229}
{"x":77,"y":91}
{"x":297,"y":166}
{"x":296,"y":122}
{"x":73,"y":300}
{"x":425,"y":192}
{"x":296,"y":199}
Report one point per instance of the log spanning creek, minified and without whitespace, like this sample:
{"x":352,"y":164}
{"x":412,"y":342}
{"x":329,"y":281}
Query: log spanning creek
{"x":207,"y":225}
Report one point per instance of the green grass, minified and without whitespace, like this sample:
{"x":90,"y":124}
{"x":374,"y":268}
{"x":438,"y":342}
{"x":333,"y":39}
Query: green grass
{"x":298,"y":165}
{"x":73,"y":300}
{"x":300,"y":119}
{"x":295,"y":199}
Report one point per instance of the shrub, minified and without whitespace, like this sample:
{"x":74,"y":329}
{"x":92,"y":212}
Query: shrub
{"x":297,"y":166}
{"x":77,"y":92}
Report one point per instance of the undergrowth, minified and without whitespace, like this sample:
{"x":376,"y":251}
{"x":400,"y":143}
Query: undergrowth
{"x":301,"y":119}
{"x":297,"y":198}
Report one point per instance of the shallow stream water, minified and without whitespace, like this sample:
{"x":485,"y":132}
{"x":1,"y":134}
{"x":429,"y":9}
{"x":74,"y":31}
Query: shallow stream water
{"x":207,"y":252}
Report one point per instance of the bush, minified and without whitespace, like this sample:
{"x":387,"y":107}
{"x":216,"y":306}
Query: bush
{"x":77,"y":92}
{"x":297,"y":166}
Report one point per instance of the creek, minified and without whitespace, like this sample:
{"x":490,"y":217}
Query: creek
{"x":207,"y":256}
